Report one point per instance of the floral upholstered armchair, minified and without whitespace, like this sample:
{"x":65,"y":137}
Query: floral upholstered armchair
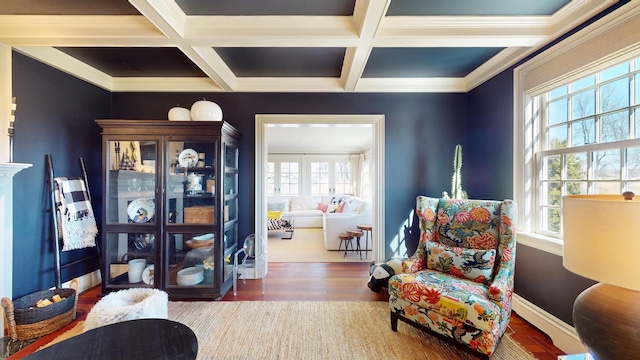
{"x":459,"y":282}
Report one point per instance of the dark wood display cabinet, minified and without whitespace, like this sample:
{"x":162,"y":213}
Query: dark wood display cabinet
{"x":170,"y":205}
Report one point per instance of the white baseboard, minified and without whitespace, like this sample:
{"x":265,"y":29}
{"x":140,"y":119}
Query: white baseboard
{"x":86,"y":281}
{"x":563,"y":335}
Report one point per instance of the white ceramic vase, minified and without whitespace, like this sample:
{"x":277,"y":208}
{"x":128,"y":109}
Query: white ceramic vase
{"x":204,"y":110}
{"x":179,"y":114}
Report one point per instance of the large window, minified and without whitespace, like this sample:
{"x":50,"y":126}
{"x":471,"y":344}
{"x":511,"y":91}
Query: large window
{"x":342,"y":178}
{"x":309,"y":174}
{"x":283,"y":178}
{"x":320,"y":178}
{"x":589,"y":140}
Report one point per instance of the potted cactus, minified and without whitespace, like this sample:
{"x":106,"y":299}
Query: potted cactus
{"x":456,"y":179}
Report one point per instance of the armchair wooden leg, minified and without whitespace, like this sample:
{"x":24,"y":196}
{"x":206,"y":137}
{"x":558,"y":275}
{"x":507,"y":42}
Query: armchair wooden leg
{"x":394,"y":321}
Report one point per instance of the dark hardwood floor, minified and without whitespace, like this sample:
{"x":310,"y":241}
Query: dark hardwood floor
{"x":314,"y":281}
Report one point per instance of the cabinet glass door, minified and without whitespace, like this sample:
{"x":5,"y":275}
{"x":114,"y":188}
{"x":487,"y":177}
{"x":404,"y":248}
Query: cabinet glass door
{"x":230,"y":205}
{"x":191,"y":201}
{"x":131,"y":258}
{"x":191,"y":182}
{"x":132,"y":182}
{"x":130,"y":251}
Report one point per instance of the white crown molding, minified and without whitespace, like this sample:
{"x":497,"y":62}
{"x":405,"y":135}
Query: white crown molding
{"x":164,"y":84}
{"x":575,"y":13}
{"x":408,"y":85}
{"x":493,"y":67}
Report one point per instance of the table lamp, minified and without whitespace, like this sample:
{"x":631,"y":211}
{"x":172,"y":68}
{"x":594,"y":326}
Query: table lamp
{"x":602,"y":243}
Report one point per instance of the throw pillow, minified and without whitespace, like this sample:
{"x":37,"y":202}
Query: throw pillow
{"x":323,"y":207}
{"x":331,"y":208}
{"x":274,"y":224}
{"x":350,"y":206}
{"x":276,"y":206}
{"x":472,"y":264}
{"x":341,"y":207}
{"x":271,"y":214}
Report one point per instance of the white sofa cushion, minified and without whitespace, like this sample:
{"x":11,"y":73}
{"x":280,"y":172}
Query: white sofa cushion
{"x":300,"y":213}
{"x":304,"y":203}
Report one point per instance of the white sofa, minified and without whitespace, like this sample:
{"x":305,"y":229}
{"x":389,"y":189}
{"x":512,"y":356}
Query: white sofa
{"x":355,"y":212}
{"x":303,"y":210}
{"x":323,"y":212}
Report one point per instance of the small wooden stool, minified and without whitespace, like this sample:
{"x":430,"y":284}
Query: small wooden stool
{"x":366,"y":228}
{"x":356,"y":234}
{"x":346,"y":238}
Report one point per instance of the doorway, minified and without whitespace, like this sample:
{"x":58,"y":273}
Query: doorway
{"x":376,"y":167}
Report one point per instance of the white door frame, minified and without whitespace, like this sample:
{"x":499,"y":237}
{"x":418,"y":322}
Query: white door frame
{"x":377,"y":169}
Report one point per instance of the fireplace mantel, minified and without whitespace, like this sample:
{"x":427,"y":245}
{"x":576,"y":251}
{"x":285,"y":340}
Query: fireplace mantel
{"x":10,"y":169}
{"x":7,"y":171}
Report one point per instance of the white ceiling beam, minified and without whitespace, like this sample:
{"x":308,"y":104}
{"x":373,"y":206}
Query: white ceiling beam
{"x":288,"y":84}
{"x":62,"y":30}
{"x":212,"y":64}
{"x":368,"y":15}
{"x":171,"y":20}
{"x":462,"y":31}
{"x":63,"y":62}
{"x":166,"y":15}
{"x":164,"y":24}
{"x":263,"y":27}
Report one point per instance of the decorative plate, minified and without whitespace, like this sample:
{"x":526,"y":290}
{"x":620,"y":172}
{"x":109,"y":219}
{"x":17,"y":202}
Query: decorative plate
{"x":141,"y":210}
{"x":188,"y":158}
{"x":147,"y":275}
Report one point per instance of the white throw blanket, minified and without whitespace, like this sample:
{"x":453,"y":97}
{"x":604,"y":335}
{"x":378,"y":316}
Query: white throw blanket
{"x":76,"y":222}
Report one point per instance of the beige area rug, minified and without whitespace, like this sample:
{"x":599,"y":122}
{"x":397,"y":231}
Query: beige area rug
{"x":239,"y":330}
{"x":307,"y":245}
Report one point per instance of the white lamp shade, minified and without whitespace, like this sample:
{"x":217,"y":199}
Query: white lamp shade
{"x":204,"y":110}
{"x":601,"y":238}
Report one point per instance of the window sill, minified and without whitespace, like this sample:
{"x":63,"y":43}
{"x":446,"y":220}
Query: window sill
{"x":541,"y":242}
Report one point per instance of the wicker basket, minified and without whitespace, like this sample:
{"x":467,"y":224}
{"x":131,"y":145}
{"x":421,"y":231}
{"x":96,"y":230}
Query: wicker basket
{"x":199,"y":215}
{"x":26,"y":321}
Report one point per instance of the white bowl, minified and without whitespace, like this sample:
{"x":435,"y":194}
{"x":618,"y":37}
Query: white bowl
{"x":204,"y":110}
{"x":190,"y":276}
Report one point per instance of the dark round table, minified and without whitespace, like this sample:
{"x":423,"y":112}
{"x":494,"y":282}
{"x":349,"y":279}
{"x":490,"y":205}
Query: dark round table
{"x":136,"y":339}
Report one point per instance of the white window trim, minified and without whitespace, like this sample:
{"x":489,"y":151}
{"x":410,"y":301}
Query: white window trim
{"x":597,"y":46}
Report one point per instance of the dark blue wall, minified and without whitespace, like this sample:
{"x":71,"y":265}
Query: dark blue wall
{"x":54,"y":116}
{"x":539,"y":276}
{"x":421,"y":131}
{"x":489,"y":154}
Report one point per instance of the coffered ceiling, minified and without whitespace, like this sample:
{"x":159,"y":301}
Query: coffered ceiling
{"x":286,"y":45}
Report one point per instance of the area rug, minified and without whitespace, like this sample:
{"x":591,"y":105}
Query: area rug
{"x":238,"y":330}
{"x":307,"y":245}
